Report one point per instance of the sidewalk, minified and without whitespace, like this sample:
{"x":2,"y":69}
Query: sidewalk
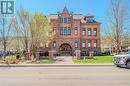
{"x":56,"y":65}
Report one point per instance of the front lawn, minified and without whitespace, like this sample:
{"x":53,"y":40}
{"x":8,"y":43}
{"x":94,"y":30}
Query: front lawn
{"x":43,"y":62}
{"x":1,"y":61}
{"x":97,"y":59}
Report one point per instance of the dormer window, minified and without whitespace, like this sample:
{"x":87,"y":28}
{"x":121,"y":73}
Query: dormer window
{"x":89,"y":19}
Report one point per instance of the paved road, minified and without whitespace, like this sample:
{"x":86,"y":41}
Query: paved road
{"x":64,"y":76}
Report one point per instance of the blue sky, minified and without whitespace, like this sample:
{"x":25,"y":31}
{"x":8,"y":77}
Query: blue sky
{"x":96,"y":7}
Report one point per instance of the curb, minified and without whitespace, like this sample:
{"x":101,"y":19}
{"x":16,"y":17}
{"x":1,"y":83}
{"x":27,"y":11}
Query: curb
{"x":53,"y":65}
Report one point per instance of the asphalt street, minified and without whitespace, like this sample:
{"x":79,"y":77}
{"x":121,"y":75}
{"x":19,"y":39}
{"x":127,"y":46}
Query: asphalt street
{"x":64,"y":76}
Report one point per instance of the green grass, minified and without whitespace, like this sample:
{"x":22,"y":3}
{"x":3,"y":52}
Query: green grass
{"x":43,"y":62}
{"x":1,"y":61}
{"x":97,"y":59}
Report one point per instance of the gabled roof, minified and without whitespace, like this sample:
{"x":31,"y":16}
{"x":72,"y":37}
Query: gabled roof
{"x":65,"y":10}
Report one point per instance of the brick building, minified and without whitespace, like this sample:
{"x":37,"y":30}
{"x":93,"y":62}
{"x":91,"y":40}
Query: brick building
{"x":74,"y":32}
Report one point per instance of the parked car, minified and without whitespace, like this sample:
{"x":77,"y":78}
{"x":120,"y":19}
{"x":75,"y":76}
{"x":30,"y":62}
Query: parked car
{"x":122,"y":60}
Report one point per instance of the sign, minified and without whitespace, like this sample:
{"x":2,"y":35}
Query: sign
{"x":7,"y":7}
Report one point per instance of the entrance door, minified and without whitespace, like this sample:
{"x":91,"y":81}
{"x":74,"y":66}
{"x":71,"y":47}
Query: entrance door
{"x":65,"y":49}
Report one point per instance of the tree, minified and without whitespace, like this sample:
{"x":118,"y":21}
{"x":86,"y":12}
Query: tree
{"x":23,"y":17}
{"x":18,"y":38}
{"x":34,"y":29}
{"x":6,"y":24}
{"x":117,"y":24}
{"x":40,"y":31}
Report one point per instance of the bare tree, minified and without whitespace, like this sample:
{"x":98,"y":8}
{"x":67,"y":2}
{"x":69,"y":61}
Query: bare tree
{"x":6,"y":24}
{"x":18,"y":36}
{"x":117,"y":24}
{"x":23,"y":17}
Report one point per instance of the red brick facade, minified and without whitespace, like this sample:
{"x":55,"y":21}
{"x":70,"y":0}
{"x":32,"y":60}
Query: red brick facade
{"x":74,"y":32}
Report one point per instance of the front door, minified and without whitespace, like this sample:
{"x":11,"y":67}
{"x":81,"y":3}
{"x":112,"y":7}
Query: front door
{"x":65,"y":49}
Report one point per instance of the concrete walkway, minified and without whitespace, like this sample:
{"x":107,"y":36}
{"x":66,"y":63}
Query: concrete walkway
{"x":64,"y":60}
{"x":57,"y":65}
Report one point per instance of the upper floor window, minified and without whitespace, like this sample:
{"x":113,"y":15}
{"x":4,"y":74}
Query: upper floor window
{"x":69,"y":20}
{"x":89,"y":31}
{"x":65,"y":20}
{"x":95,"y":43}
{"x":54,"y":31}
{"x":83,"y":31}
{"x":69,"y":31}
{"x":95,"y":31}
{"x":61,"y":20}
{"x":76,"y":44}
{"x":89,"y":43}
{"x":65,"y":31}
{"x":83,"y":43}
{"x":61,"y":31}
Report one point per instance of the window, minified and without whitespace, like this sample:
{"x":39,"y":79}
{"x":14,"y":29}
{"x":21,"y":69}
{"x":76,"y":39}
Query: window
{"x":83,"y":31}
{"x":61,"y":31}
{"x":54,"y":44}
{"x":54,"y":31}
{"x":65,"y":31}
{"x":76,"y":31}
{"x":69,"y":20}
{"x":95,"y":43}
{"x":69,"y":31}
{"x":46,"y":45}
{"x":90,"y":20}
{"x":89,"y":43}
{"x":83,"y":44}
{"x":89,"y":31}
{"x":95,"y":31}
{"x":61,"y":20}
{"x":65,"y":20}
{"x":76,"y":44}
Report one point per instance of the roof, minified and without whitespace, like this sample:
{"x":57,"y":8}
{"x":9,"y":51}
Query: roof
{"x":65,"y":10}
{"x":89,"y":16}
